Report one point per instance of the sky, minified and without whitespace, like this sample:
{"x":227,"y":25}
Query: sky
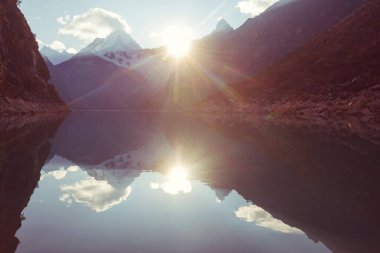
{"x":72,"y":24}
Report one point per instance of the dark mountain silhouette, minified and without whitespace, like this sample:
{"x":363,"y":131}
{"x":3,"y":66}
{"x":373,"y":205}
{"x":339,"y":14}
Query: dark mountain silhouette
{"x":263,"y":40}
{"x":23,"y":73}
{"x":336,"y":73}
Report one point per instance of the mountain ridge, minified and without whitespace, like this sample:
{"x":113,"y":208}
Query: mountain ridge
{"x":266,"y":39}
{"x":334,"y":75}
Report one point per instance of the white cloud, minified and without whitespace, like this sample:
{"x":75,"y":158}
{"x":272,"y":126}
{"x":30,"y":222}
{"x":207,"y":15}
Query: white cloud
{"x":58,"y":46}
{"x":71,"y":50}
{"x":94,"y":23}
{"x":98,"y":195}
{"x":64,"y":20}
{"x":255,"y":7}
{"x":262,"y":218}
{"x":40,"y":43}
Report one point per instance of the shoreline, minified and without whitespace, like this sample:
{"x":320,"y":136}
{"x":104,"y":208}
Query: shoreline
{"x":18,"y":107}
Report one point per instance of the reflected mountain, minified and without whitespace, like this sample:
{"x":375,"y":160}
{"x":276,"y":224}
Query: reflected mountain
{"x":24,"y":148}
{"x":253,"y":213}
{"x":291,"y":180}
{"x":324,"y":184}
{"x":288,"y":172}
{"x":92,"y":138}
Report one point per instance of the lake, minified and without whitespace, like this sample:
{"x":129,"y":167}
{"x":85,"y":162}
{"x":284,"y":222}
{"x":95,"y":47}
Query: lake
{"x":165,"y":182}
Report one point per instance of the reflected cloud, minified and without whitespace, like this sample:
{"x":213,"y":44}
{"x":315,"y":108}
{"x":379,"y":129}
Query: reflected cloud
{"x":98,"y":195}
{"x":58,"y":174}
{"x":73,"y":168}
{"x":262,"y":218}
{"x":177,"y":183}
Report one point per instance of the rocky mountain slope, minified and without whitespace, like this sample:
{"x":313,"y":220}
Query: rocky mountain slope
{"x":264,"y":40}
{"x":23,"y":73}
{"x":335,"y":74}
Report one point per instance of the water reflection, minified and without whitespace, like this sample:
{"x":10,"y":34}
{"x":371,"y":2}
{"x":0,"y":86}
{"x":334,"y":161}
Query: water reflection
{"x":24,"y":148}
{"x":98,"y":195}
{"x":260,"y":217}
{"x":119,"y":210}
{"x":176,"y":182}
{"x":111,"y":183}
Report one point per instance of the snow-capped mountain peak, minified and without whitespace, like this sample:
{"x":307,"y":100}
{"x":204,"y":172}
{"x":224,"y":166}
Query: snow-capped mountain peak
{"x":119,"y":40}
{"x":119,"y":48}
{"x":222,"y":27}
{"x":115,"y":42}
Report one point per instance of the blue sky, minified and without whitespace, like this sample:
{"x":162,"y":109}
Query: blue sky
{"x":58,"y":22}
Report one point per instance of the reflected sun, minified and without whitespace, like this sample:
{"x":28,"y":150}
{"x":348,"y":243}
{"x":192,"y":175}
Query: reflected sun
{"x":178,"y":174}
{"x":177,"y":182}
{"x":178,"y":41}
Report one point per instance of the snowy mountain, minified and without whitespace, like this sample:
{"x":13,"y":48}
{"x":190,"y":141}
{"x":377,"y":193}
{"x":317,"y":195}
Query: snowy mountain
{"x":54,"y":56}
{"x":222,"y":27}
{"x":119,"y":48}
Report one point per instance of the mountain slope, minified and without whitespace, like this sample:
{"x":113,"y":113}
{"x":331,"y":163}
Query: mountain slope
{"x":92,"y":83}
{"x":267,"y":38}
{"x":23,"y":73}
{"x":113,"y":73}
{"x":337,"y":73}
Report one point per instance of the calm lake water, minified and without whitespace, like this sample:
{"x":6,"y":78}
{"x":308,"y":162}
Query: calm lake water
{"x":143,"y":182}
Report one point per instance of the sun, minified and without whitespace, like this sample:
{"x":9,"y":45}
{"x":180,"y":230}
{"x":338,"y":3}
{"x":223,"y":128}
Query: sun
{"x":178,"y":41}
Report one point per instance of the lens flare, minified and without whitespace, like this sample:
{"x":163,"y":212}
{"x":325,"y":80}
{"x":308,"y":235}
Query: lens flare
{"x":177,"y":40}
